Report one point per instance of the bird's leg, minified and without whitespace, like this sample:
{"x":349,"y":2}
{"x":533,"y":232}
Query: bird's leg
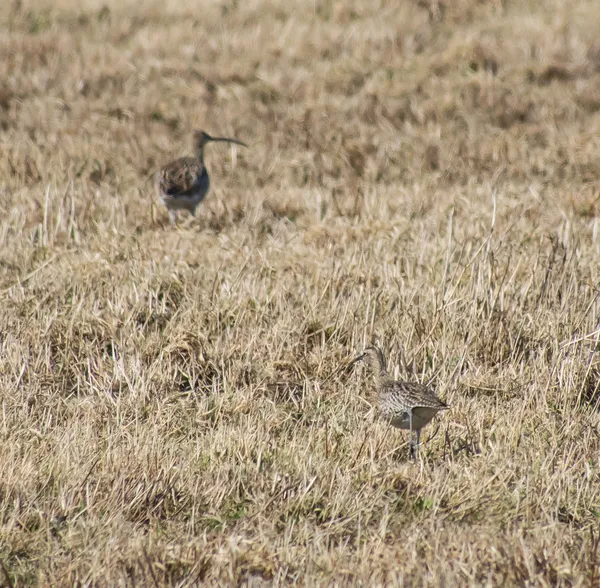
{"x":418,"y":441}
{"x":172,"y":217}
{"x":410,"y":425}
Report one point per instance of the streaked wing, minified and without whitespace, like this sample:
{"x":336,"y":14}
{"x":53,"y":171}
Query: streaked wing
{"x":411,"y":394}
{"x":179,"y":177}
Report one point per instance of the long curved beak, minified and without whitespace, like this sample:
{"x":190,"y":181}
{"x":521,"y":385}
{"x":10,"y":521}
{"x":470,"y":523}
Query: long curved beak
{"x":355,"y":360}
{"x":226,"y":140}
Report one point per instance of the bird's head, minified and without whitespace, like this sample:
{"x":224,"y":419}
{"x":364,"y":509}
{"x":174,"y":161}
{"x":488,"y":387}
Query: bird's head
{"x":200,"y":139}
{"x":375,"y":358}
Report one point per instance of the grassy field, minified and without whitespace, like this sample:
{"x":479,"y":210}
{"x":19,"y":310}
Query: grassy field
{"x":173,"y":404}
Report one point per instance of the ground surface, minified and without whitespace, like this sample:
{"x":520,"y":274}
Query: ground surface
{"x":172,"y":406}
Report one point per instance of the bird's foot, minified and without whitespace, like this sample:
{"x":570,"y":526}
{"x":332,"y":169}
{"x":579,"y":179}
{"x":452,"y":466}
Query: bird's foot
{"x":413,"y":450}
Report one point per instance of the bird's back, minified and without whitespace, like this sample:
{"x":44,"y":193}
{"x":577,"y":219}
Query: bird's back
{"x":397,"y":398}
{"x":182,"y":177}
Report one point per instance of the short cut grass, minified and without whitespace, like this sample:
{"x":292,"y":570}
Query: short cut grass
{"x":173,"y":404}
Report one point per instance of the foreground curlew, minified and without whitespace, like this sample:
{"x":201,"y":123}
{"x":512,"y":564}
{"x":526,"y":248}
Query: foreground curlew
{"x":184,"y":183}
{"x":405,"y":405}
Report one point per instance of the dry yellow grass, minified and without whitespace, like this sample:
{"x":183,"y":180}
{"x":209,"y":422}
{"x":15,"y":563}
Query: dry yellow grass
{"x":423,"y":172}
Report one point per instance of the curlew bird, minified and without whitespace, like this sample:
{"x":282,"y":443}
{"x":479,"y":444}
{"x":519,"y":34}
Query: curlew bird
{"x":405,"y":405}
{"x":184,"y":183}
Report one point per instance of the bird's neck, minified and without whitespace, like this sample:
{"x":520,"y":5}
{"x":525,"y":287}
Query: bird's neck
{"x":379,"y":371}
{"x":200,"y":155}
{"x":378,"y":367}
{"x":381,"y":376}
